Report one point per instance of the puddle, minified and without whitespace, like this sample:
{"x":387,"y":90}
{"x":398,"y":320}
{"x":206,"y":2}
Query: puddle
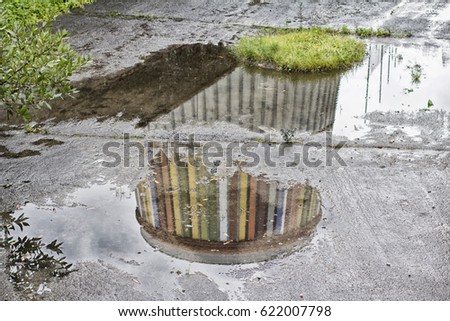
{"x":98,"y":224}
{"x":260,"y":100}
{"x":30,"y":262}
{"x":189,"y":213}
{"x":386,"y":83}
{"x":200,"y":85}
{"x":157,"y":85}
{"x":178,"y":222}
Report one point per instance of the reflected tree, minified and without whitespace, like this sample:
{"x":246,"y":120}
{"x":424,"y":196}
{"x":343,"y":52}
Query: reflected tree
{"x":29,"y":261}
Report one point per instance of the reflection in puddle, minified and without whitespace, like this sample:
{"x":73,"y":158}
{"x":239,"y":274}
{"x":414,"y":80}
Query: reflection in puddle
{"x":189,"y":213}
{"x":29,"y":261}
{"x":261,"y":99}
{"x":163,"y":81}
{"x":389,"y":81}
{"x":98,"y":224}
{"x":209,"y":91}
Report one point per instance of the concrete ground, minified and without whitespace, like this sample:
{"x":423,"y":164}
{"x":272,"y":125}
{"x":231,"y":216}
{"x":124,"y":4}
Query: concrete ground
{"x":385,"y":233}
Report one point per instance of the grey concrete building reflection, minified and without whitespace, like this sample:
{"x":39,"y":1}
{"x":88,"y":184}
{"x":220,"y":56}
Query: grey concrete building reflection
{"x":256,"y":99}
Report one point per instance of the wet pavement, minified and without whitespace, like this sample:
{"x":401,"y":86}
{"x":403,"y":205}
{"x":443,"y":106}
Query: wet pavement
{"x":370,"y":224}
{"x":116,"y":34}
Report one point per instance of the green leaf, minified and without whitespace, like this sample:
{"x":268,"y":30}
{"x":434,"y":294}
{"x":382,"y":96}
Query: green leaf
{"x":36,"y":64}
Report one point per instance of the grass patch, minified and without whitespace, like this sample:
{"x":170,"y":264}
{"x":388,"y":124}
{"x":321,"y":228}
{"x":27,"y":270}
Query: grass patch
{"x":369,"y":32}
{"x":379,"y":33}
{"x":305,"y":50}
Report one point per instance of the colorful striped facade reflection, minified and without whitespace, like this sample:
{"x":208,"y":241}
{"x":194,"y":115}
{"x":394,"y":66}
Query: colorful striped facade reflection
{"x":190,"y":203}
{"x":253,"y":100}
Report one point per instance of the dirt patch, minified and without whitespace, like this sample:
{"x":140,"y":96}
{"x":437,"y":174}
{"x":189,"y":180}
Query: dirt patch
{"x":48,"y":142}
{"x":162,"y":82}
{"x":6,"y":153}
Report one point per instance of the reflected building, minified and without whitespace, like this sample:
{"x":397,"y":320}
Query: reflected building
{"x":256,"y":99}
{"x":147,"y":90}
{"x":189,"y":213}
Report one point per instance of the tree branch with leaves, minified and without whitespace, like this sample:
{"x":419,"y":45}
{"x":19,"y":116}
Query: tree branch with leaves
{"x":35,"y":63}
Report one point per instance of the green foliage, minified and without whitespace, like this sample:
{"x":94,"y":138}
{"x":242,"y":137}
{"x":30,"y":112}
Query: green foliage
{"x":35,"y":63}
{"x":429,"y":105}
{"x":30,"y":261}
{"x":307,"y":50}
{"x":31,"y":12}
{"x":36,"y":66}
{"x":345,"y":30}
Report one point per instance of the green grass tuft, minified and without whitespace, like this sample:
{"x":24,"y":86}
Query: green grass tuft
{"x":305,"y":50}
{"x":370,"y":32}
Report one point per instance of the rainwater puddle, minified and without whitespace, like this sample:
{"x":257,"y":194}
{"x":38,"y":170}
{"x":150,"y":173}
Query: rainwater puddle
{"x":201,"y":86}
{"x":182,"y":219}
{"x":98,"y":224}
{"x":189,"y":213}
{"x":391,"y":79}
{"x":157,"y":85}
{"x":259,"y":100}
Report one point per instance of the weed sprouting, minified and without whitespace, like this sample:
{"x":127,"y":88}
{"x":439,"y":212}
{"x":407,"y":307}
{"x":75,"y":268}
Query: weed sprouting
{"x":345,"y":30}
{"x":370,"y":32}
{"x":429,"y":105}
